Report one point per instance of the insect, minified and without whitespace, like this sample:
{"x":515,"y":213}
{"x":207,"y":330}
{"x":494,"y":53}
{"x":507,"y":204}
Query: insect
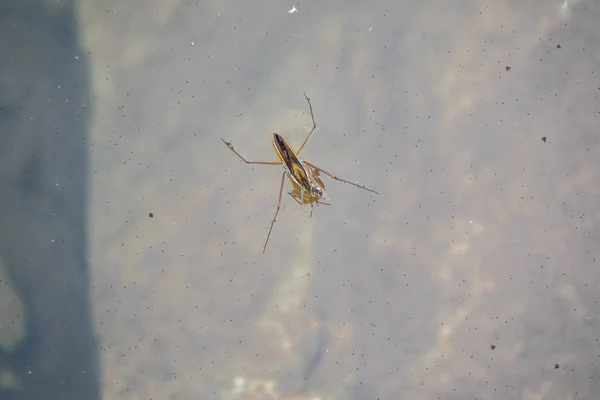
{"x":302,"y":197}
{"x":307,"y":187}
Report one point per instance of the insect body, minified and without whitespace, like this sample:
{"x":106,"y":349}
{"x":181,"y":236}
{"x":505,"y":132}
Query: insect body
{"x":302,"y":197}
{"x":297,"y":170}
{"x":308,"y":188}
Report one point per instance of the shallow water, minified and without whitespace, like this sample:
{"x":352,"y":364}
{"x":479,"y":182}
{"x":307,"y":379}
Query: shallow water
{"x":474,"y":274}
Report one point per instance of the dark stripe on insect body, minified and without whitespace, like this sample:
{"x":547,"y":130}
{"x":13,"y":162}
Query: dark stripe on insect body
{"x":285,"y":155}
{"x":295,"y":167}
{"x":284,"y":151}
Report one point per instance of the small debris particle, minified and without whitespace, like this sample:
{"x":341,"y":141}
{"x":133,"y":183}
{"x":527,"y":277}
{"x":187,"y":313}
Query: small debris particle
{"x":544,"y":138}
{"x":493,"y":346}
{"x":556,"y":366}
{"x":507,"y":68}
{"x":558,"y":46}
{"x":151,"y":215}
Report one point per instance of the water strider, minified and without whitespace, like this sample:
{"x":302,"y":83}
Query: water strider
{"x":308,"y":188}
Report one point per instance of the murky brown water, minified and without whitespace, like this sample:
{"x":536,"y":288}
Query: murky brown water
{"x":474,"y":274}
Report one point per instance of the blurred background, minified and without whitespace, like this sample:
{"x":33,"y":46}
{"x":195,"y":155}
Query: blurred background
{"x":131,"y":238}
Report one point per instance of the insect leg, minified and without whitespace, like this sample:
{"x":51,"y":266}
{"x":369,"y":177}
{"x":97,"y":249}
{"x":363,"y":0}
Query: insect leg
{"x":295,"y":199}
{"x":313,"y":120}
{"x":228,"y":144}
{"x":276,"y":212}
{"x":339,"y":179}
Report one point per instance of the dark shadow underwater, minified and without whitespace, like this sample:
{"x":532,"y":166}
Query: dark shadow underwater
{"x":48,"y":348}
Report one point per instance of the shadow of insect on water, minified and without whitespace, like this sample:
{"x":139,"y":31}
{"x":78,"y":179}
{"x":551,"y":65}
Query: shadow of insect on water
{"x":308,"y":188}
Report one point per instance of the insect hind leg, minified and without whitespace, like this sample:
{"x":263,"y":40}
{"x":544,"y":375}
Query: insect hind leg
{"x":340,"y":179}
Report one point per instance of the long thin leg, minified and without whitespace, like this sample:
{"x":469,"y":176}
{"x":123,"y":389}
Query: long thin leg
{"x":276,"y":212}
{"x":339,"y":179}
{"x":228,"y":144}
{"x":313,"y":120}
